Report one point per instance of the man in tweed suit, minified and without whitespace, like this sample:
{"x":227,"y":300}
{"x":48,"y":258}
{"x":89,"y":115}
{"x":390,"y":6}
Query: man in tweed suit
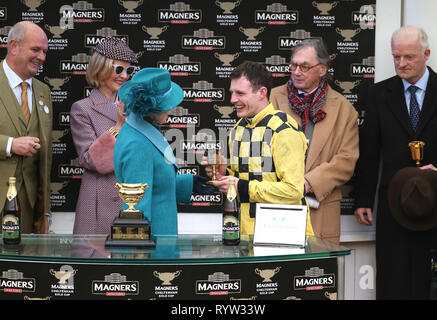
{"x":266,"y":148}
{"x":25,"y":125}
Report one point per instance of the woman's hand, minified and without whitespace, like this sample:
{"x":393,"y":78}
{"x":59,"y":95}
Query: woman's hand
{"x":121,"y":118}
{"x":222,"y":184}
{"x":220,"y":169}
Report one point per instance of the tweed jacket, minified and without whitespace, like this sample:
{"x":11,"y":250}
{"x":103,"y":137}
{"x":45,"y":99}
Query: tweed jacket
{"x":142,"y":155}
{"x":98,"y":202}
{"x":331,"y":157}
{"x":12,"y":125}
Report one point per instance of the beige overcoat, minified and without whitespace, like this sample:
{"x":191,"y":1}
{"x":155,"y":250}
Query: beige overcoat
{"x":331,"y":157}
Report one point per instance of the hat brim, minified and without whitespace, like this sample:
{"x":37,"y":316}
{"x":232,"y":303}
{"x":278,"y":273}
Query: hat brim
{"x":394,"y":199}
{"x":172,"y":99}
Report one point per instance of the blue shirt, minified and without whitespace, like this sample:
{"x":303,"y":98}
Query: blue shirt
{"x":420,"y":94}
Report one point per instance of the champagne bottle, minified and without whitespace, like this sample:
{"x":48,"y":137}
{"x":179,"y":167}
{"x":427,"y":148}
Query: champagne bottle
{"x":11,"y":216}
{"x":231,"y":217}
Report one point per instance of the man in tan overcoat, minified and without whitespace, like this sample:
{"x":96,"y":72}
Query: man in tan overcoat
{"x":330,"y":125}
{"x":25,"y":125}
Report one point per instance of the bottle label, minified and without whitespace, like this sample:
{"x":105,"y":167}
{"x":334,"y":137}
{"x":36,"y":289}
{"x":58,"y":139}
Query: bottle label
{"x":10,"y":227}
{"x":12,"y":193}
{"x":231,"y":228}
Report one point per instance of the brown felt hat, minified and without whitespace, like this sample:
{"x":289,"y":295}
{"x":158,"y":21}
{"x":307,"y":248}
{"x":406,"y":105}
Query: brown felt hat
{"x":412,"y":196}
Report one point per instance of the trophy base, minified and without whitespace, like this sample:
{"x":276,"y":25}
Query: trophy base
{"x":125,"y":214}
{"x":132,"y":243}
{"x":210,"y":181}
{"x":128,"y":232}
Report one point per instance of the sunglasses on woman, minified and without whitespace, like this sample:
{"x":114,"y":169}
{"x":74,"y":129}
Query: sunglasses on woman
{"x":119,"y":69}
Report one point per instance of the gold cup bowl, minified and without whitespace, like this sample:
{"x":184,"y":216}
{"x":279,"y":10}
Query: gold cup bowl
{"x":131,"y":193}
{"x":416,"y":148}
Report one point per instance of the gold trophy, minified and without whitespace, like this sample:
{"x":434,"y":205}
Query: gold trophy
{"x":214,"y":161}
{"x":130,"y":228}
{"x":416,"y":148}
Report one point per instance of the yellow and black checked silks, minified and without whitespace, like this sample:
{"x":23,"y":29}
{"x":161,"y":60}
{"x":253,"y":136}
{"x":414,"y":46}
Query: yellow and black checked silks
{"x":269,"y":152}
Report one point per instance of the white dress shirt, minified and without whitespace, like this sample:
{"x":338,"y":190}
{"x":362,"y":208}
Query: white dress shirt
{"x":420,"y":94}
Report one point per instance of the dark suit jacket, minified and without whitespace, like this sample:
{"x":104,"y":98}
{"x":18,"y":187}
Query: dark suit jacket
{"x":386,"y":132}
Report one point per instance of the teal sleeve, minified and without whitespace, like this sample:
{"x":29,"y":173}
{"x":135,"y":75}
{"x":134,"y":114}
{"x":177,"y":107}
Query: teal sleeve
{"x":184,"y":187}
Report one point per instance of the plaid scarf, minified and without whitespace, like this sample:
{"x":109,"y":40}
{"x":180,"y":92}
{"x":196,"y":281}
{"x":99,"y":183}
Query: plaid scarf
{"x":310,"y":106}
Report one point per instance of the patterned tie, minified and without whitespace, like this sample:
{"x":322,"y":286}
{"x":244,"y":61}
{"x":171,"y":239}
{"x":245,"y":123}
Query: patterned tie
{"x":24,"y":103}
{"x":414,"y":106}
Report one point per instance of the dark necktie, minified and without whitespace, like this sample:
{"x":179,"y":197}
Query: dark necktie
{"x":414,"y":106}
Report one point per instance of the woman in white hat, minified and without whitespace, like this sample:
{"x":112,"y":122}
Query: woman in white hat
{"x":95,"y":122}
{"x":142,"y":155}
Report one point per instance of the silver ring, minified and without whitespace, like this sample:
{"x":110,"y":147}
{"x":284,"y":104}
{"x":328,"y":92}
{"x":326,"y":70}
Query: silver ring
{"x":34,"y":145}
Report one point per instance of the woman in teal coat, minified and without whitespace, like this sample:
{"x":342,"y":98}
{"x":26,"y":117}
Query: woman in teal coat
{"x":142,"y":155}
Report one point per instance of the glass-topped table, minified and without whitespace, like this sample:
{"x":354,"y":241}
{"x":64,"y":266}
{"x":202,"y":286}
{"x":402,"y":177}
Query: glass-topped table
{"x":184,"y":267}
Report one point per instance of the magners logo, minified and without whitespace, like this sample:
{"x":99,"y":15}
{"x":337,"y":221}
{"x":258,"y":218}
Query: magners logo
{"x":202,"y":200}
{"x":73,"y":170}
{"x":218,"y":283}
{"x":189,"y":170}
{"x":278,"y":66}
{"x":3,"y":13}
{"x":277,"y":13}
{"x":64,"y":119}
{"x":203,"y":39}
{"x":92,"y":40}
{"x":4,"y":36}
{"x":84,"y":12}
{"x":180,"y":13}
{"x":197,"y":146}
{"x":77,"y":65}
{"x":180,"y":118}
{"x":180,"y":65}
{"x":364,"y":69}
{"x":115,"y":284}
{"x":204,"y":91}
{"x":295,"y":37}
{"x":365,"y":18}
{"x":13,"y":281}
{"x":314,"y":279}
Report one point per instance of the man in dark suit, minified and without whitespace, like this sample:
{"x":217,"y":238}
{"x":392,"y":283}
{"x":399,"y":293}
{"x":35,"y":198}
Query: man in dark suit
{"x":25,"y":125}
{"x":395,"y":115}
